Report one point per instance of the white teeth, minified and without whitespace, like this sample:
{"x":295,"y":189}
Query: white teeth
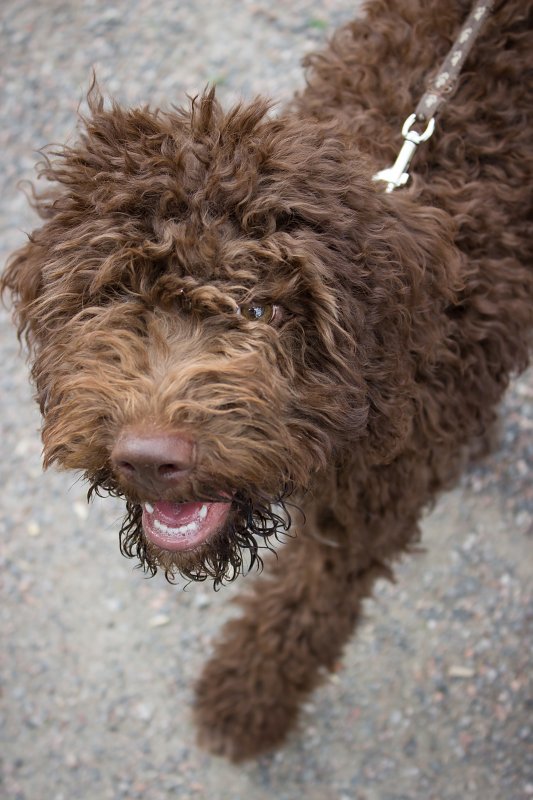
{"x":149,"y":508}
{"x":192,"y":527}
{"x":203,"y":512}
{"x":182,"y":530}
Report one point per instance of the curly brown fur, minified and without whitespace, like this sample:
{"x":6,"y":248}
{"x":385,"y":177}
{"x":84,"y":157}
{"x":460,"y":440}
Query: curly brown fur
{"x":401,"y":319}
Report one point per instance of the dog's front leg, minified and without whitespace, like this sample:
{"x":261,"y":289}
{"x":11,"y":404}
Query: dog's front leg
{"x":297,"y":619}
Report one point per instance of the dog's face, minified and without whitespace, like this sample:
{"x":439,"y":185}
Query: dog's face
{"x":188,"y":348}
{"x":197,"y":305}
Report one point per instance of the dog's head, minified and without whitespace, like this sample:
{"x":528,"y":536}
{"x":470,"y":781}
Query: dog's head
{"x":214,"y":306}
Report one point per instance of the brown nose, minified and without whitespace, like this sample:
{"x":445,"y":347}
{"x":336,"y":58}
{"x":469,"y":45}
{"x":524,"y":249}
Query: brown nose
{"x":153,"y":461}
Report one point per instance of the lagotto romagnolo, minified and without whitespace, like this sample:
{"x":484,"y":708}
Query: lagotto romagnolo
{"x":231,"y":325}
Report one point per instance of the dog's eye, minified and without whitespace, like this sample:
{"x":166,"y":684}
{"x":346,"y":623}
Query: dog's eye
{"x":256,"y":313}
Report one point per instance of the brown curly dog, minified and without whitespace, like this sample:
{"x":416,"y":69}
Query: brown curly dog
{"x":231,"y":323}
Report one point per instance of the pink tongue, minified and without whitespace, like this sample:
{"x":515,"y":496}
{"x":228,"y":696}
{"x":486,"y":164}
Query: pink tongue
{"x":176,"y":514}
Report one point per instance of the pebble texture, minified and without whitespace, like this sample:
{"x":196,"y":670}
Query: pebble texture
{"x":431,"y":700}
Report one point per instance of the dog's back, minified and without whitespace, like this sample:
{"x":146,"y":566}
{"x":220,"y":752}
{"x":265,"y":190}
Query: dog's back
{"x":377,"y":67}
{"x":477,"y":166}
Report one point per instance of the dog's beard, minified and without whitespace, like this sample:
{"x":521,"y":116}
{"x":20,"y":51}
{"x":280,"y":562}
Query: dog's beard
{"x":253,"y":525}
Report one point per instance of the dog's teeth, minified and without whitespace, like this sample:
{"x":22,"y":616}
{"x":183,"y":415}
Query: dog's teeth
{"x":149,"y":508}
{"x":192,"y":527}
{"x":182,"y":530}
{"x":203,"y":512}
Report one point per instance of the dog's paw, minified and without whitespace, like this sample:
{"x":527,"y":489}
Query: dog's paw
{"x":242,"y":714}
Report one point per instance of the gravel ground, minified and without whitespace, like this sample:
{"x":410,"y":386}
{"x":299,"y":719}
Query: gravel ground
{"x":431,"y":700}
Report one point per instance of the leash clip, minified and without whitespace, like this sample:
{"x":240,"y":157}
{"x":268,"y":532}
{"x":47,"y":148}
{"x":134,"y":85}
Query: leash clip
{"x":397,"y":175}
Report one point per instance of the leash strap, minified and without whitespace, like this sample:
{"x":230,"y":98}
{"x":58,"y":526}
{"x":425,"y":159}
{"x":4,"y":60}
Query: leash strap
{"x":445,"y":82}
{"x":440,"y":90}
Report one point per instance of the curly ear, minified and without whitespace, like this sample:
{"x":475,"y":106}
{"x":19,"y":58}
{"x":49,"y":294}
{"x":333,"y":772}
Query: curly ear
{"x":416,"y":327}
{"x":407,"y":273}
{"x":22,"y":278}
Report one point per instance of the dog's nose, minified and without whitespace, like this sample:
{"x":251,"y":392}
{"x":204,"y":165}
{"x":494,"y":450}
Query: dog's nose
{"x":153,"y":461}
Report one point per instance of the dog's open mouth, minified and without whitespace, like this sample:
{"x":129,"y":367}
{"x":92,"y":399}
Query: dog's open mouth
{"x":217,"y":535}
{"x":182,"y":526}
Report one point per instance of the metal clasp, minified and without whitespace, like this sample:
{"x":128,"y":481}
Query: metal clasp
{"x":397,"y":175}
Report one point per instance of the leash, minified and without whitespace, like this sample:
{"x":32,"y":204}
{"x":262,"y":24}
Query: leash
{"x":440,"y":90}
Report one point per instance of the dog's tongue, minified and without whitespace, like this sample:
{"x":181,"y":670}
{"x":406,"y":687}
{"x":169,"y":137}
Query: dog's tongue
{"x":175,"y":514}
{"x":182,"y":526}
